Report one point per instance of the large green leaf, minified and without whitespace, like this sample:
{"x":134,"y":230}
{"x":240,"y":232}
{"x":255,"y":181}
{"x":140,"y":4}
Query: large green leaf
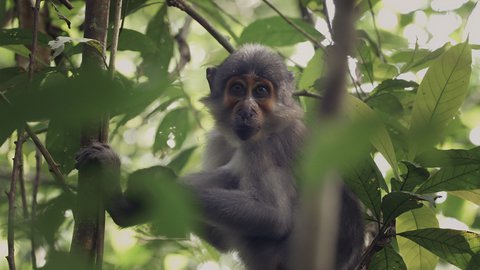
{"x":414,"y":177}
{"x":474,"y":262}
{"x":63,"y":142}
{"x":136,"y":41}
{"x":166,"y":203}
{"x":415,"y":256}
{"x":275,"y":31}
{"x":312,"y":71}
{"x":439,"y":96}
{"x":362,"y":180}
{"x":17,"y":36}
{"x":158,"y":30}
{"x":456,"y":247}
{"x":387,"y":259}
{"x":462,"y":177}
{"x":396,"y":203}
{"x":358,"y":110}
{"x":460,"y":169}
{"x":470,"y":195}
{"x":181,"y":160}
{"x":172,"y":131}
{"x":452,"y":157}
{"x":214,"y":13}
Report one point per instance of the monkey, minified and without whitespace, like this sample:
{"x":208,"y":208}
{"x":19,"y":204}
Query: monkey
{"x":247,"y":189}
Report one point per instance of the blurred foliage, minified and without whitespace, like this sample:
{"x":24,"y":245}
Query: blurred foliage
{"x":412,"y":136}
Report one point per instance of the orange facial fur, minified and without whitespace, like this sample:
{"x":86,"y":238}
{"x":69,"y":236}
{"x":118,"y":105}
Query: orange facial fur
{"x":249,"y":82}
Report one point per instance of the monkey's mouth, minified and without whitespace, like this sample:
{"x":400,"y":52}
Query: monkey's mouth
{"x":245,"y":132}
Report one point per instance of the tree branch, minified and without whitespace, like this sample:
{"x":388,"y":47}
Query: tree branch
{"x":36,"y":184}
{"x":21,"y":180}
{"x":11,"y":201}
{"x":88,"y":231}
{"x":182,"y":5}
{"x":342,"y":36}
{"x":305,"y":93}
{"x":49,"y":159}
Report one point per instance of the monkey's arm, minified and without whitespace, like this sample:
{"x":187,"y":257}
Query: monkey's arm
{"x":227,"y":207}
{"x":100,"y":162}
{"x":238,"y":211}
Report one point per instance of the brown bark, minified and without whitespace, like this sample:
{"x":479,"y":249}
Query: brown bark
{"x":26,"y":21}
{"x":87,"y":242}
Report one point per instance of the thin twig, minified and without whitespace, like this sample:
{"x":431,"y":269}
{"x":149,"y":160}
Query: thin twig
{"x":49,"y":159}
{"x":11,"y":202}
{"x":370,"y":250}
{"x":36,"y":184}
{"x":66,"y":3}
{"x":31,"y":65}
{"x":294,"y":25}
{"x":305,"y":93}
{"x":115,"y":35}
{"x":327,"y":17}
{"x":21,"y":180}
{"x":182,"y":5}
{"x":183,"y":48}
{"x":379,"y":40}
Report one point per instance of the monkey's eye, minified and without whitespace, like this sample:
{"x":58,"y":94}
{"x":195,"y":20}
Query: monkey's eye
{"x":237,"y":89}
{"x":261,"y":91}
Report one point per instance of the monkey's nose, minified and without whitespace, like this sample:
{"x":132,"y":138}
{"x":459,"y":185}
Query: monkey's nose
{"x":245,"y":115}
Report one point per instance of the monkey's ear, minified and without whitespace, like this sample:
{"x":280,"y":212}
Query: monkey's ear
{"x":211,"y":77}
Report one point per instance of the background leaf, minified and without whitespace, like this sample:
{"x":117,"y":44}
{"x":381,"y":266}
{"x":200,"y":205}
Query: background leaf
{"x":280,"y":33}
{"x":387,"y":259}
{"x":456,"y":247}
{"x":396,"y":203}
{"x":357,"y":109}
{"x":440,"y":95}
{"x":415,"y":256}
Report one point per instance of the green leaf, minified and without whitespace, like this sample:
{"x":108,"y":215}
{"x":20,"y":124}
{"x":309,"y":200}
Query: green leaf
{"x":172,"y":131}
{"x":414,"y":177}
{"x":394,"y":84}
{"x":158,"y":30}
{"x":396,"y":203}
{"x":453,"y":157}
{"x":362,"y":180}
{"x":17,"y":36}
{"x":213,"y":12}
{"x":464,"y":177}
{"x":456,"y":247}
{"x":439,"y":96}
{"x":165,"y":201}
{"x":181,"y":160}
{"x":387,"y":259}
{"x":415,"y":256}
{"x":135,"y":41}
{"x":63,"y":142}
{"x":276,"y":32}
{"x":474,"y":262}
{"x":470,"y":195}
{"x":423,"y":61}
{"x":417,"y":59}
{"x":356,"y":110}
{"x":312,"y":71}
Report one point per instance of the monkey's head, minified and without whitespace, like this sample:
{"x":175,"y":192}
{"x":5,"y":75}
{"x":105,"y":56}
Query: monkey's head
{"x":251,"y":94}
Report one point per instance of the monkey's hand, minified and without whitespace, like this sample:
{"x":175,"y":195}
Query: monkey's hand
{"x":98,"y":154}
{"x":101,"y":162}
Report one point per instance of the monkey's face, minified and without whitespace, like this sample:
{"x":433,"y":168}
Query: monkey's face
{"x":249,"y":99}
